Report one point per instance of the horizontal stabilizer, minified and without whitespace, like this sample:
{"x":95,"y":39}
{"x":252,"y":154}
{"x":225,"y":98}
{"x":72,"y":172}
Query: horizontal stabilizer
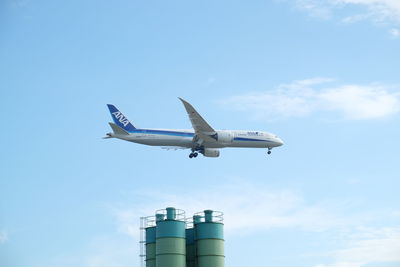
{"x":117,"y":130}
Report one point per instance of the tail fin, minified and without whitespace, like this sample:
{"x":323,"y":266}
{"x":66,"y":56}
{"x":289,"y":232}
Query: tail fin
{"x":120,"y":119}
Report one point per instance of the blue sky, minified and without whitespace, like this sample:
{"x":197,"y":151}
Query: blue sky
{"x":323,"y":75}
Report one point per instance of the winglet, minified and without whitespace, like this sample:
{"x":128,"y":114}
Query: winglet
{"x":200,"y":126}
{"x":187,"y":105}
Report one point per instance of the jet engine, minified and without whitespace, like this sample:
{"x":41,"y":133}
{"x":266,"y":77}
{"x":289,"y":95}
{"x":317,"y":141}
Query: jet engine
{"x":224,"y":137}
{"x":210,"y":152}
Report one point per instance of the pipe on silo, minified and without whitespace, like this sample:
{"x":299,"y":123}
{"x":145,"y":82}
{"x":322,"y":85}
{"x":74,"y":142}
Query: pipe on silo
{"x":197,"y":219}
{"x":208,"y":215}
{"x":170,"y":241}
{"x":209,"y":242}
{"x":171,"y":213}
{"x":150,"y":244}
{"x":160,"y":217}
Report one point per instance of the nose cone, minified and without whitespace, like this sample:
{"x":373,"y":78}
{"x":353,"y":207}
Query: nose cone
{"x":279,"y":141}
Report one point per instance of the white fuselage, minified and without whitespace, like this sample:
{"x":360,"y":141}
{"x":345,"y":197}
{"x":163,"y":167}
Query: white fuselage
{"x":184,"y":138}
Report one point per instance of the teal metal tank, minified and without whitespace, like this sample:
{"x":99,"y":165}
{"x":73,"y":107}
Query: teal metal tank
{"x":190,"y":248}
{"x":170,"y":238}
{"x":209,"y":236}
{"x":150,"y":244}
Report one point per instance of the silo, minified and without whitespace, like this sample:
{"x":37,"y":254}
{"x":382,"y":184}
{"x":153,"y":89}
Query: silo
{"x":190,"y":248}
{"x":170,"y":238}
{"x":209,"y":235}
{"x":150,"y":246}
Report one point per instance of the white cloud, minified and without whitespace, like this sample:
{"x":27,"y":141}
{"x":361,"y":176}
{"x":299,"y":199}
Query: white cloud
{"x":3,"y":236}
{"x":250,"y":209}
{"x":246,"y":208}
{"x":111,"y":250}
{"x":21,"y":3}
{"x":367,"y":246}
{"x":378,"y":11}
{"x":395,"y":33}
{"x":317,"y":8}
{"x":304,"y":97}
{"x":355,"y":18}
{"x":340,"y":264}
{"x":396,"y":213}
{"x":211,"y":80}
{"x":361,"y":102}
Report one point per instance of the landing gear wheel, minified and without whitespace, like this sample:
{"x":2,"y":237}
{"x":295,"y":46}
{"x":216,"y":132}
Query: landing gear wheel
{"x":191,"y":155}
{"x":269,"y":152}
{"x":195,"y":154}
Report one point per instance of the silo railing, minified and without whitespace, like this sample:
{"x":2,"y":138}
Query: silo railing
{"x":208,"y":216}
{"x":172,"y":214}
{"x":147,"y":240}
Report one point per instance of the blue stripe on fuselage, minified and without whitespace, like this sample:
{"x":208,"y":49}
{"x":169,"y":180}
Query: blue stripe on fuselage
{"x":162,"y":132}
{"x":249,"y":139}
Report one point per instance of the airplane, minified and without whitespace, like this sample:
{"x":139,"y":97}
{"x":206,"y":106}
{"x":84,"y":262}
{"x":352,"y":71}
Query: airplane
{"x":201,"y":139}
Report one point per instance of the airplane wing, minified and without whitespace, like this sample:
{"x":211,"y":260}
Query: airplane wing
{"x":203,"y":130}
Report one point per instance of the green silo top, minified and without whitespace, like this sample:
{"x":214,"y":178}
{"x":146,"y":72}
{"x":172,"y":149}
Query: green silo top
{"x":208,"y":215}
{"x":171,"y":213}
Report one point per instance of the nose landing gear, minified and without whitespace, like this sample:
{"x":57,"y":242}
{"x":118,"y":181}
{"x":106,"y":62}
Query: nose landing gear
{"x":193,"y":155}
{"x":269,"y":150}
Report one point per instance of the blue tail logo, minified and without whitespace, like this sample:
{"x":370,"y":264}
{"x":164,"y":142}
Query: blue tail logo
{"x":119,"y":119}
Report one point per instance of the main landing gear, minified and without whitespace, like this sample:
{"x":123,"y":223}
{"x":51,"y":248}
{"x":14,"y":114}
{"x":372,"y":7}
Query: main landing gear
{"x":195,"y":151}
{"x":193,"y":155}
